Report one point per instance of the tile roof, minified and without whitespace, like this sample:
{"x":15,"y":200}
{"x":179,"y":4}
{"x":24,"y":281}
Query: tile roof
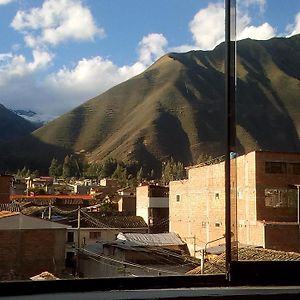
{"x":114,"y":221}
{"x":97,"y":220}
{"x":66,"y":197}
{"x":217,"y":265}
{"x":4,"y":214}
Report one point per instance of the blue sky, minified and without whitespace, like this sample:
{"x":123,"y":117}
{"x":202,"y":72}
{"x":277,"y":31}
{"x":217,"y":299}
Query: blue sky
{"x":56,"y":54}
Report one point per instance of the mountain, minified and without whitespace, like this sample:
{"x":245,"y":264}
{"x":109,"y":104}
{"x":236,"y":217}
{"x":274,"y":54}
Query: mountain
{"x":13,"y":126}
{"x":36,"y":118}
{"x":176,"y":109}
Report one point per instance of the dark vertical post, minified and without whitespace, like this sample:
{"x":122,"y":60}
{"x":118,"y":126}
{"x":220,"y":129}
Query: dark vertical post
{"x":298,"y":205}
{"x":230,"y":7}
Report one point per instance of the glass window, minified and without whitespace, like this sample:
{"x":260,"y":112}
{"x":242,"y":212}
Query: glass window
{"x":275,"y":167}
{"x":70,"y":237}
{"x":94,"y":235}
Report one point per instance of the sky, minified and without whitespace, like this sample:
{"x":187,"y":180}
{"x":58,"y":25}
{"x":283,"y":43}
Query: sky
{"x":57,"y":54}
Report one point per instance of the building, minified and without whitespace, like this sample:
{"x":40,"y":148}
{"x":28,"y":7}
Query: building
{"x":5,"y":188}
{"x":30,"y":246}
{"x":110,"y":182}
{"x":125,"y":198}
{"x":217,"y":264}
{"x":152,"y":203}
{"x":95,"y":227}
{"x":265,"y":189}
{"x":137,"y":255}
{"x":44,"y":182}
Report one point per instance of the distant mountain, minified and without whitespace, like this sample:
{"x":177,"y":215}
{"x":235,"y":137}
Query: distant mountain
{"x":12,"y":126}
{"x":36,"y":118}
{"x":176,"y":109}
{"x":24,"y":113}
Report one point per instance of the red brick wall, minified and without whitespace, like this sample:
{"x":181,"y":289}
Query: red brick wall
{"x":282,"y":237}
{"x":5,"y":186}
{"x":194,"y":217}
{"x":30,"y":252}
{"x":265,"y":180}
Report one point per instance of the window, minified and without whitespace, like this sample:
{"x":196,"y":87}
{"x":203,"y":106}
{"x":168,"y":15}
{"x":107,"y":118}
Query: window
{"x":217,"y":196}
{"x":294,"y":168}
{"x":275,"y":167}
{"x":279,"y":198}
{"x":218,"y":224}
{"x":94,"y":235}
{"x":240,"y":195}
{"x":70,"y":237}
{"x":177,"y":198}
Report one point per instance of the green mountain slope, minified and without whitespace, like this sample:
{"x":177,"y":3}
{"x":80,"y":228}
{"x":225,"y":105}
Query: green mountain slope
{"x":176,"y":108}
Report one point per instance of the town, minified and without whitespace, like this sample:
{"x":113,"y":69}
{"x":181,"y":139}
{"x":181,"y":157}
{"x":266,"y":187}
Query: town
{"x":53,"y":228}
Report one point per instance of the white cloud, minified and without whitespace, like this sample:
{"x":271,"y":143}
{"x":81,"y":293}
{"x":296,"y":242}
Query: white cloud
{"x":90,"y":77}
{"x":152,"y":47}
{"x":16,"y":65}
{"x":69,"y":87}
{"x":261,"y":4}
{"x":207,"y":26}
{"x":93,"y":76}
{"x":5,"y":56}
{"x":262,"y":32}
{"x":293,"y":29}
{"x":56,"y":21}
{"x":4,"y":2}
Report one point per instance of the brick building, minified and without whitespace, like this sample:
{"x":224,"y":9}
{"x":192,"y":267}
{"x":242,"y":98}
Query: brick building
{"x":152,"y":203}
{"x":265,"y":188}
{"x":5,"y":188}
{"x":30,"y":246}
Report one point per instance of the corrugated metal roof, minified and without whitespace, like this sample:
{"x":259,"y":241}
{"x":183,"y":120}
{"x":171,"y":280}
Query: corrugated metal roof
{"x":152,"y":239}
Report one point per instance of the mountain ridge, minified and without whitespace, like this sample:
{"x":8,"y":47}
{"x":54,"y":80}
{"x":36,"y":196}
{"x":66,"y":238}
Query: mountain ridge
{"x":175,"y":108}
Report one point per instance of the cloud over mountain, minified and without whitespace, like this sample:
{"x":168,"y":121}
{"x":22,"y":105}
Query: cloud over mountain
{"x":55,"y":22}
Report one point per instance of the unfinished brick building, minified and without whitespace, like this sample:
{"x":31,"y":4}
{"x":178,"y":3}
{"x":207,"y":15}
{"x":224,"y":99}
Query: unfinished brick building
{"x":5,"y":188}
{"x":265,"y":187}
{"x":152,"y":203}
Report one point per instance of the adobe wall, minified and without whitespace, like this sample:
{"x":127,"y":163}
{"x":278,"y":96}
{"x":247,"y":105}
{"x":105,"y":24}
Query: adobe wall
{"x":142,"y":202}
{"x":199,"y":216}
{"x":25,"y":253}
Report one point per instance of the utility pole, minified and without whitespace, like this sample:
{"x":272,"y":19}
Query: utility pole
{"x":78,"y":241}
{"x":49,"y":211}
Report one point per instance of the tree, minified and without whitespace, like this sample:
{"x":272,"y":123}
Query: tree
{"x":140,"y":175}
{"x":108,"y":168}
{"x":70,"y":167}
{"x":55,"y":168}
{"x":172,"y":171}
{"x":120,"y":174}
{"x":66,"y":169}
